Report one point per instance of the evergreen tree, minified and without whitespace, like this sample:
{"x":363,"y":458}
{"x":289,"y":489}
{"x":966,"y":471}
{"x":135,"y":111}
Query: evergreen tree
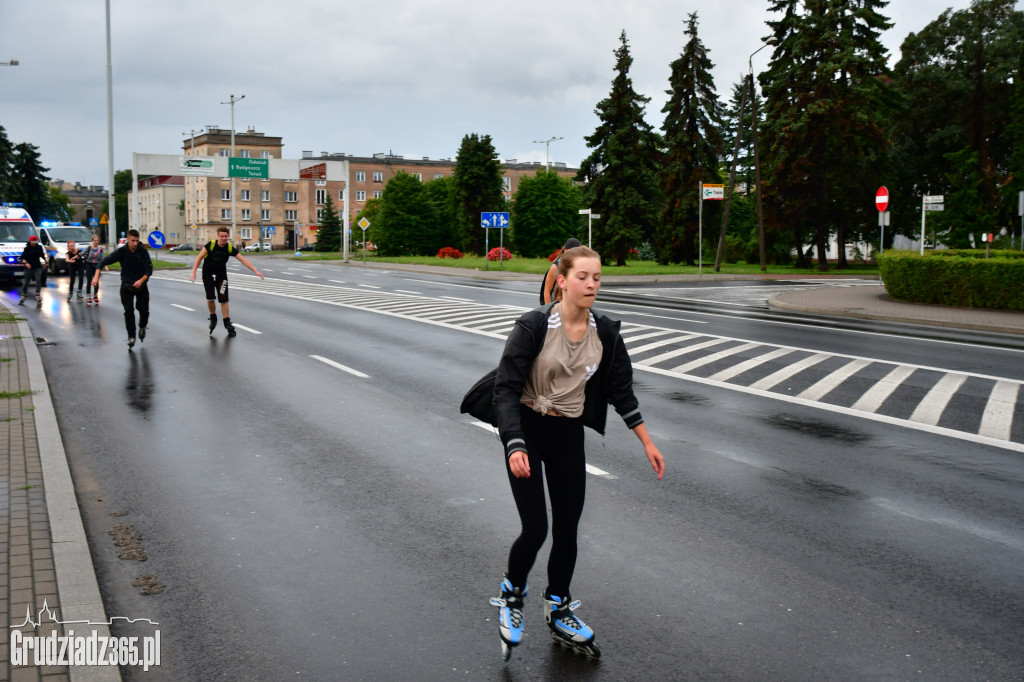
{"x":731,"y":122}
{"x":477,"y":188}
{"x":29,"y":180}
{"x":692,"y":133}
{"x":328,"y":237}
{"x":407,"y":222}
{"x":966,"y":214}
{"x":621,"y":174}
{"x":545,"y":213}
{"x":826,"y":110}
{"x":1015,"y":134}
{"x":122,"y":186}
{"x":7,"y":187}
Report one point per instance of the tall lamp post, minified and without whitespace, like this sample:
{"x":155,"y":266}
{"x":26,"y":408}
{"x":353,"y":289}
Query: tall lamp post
{"x":547,"y":142}
{"x":231,"y":100}
{"x":13,"y":62}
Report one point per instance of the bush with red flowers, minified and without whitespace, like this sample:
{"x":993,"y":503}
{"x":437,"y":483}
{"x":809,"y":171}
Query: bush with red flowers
{"x":498,"y":253}
{"x":449,"y":252}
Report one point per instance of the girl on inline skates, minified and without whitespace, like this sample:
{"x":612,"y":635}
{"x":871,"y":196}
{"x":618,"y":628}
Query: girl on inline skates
{"x":562,"y":364}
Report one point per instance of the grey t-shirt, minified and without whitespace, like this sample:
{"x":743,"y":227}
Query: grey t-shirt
{"x":559,"y":375}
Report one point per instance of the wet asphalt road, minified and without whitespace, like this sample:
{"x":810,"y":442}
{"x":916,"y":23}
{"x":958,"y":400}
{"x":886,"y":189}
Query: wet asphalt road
{"x":308,"y":522}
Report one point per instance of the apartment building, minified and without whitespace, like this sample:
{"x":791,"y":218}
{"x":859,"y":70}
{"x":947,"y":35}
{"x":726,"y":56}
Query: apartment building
{"x":159,"y":208}
{"x":288,"y":212}
{"x":86,"y":200}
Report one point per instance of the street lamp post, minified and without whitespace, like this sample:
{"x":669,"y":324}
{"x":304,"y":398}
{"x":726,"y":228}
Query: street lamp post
{"x":547,"y":142}
{"x":13,"y":62}
{"x":591,"y":217}
{"x":231,"y":100}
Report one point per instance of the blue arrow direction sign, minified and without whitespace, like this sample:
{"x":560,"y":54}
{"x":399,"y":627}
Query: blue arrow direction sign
{"x":493,"y":219}
{"x":156,"y":239}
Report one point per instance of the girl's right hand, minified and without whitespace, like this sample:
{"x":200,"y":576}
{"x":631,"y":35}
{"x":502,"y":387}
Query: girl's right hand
{"x":519,"y":464}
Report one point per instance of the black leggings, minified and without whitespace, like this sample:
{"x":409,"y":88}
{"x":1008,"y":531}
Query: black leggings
{"x":75,"y":271}
{"x":90,"y":270}
{"x":140,"y":297}
{"x":558,"y":443}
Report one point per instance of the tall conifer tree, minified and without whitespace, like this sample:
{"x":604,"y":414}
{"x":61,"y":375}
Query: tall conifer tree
{"x":693,"y":141}
{"x":622,"y":171}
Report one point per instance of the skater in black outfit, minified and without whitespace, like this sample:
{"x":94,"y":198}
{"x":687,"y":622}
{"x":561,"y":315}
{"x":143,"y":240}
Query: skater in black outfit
{"x":34,"y":260}
{"x":75,"y":260}
{"x":136,"y":269}
{"x":214,"y":257}
{"x":562,"y":365}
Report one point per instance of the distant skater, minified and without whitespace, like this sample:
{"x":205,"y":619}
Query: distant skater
{"x":75,"y":261}
{"x":136,"y":269}
{"x":34,"y":260}
{"x":214,"y":257}
{"x":93,"y":255}
{"x":549,"y":291}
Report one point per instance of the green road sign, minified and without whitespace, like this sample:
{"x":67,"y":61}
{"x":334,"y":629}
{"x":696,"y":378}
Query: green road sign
{"x":248,"y":168}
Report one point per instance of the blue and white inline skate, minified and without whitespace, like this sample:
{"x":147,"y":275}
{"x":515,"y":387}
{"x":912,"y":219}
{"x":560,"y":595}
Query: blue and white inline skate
{"x":510,"y":616}
{"x":567,"y":629}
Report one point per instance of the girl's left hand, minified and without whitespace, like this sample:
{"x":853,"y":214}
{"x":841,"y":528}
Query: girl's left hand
{"x":655,"y":458}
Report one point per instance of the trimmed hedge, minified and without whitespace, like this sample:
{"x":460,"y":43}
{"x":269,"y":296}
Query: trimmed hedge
{"x":961,"y":277}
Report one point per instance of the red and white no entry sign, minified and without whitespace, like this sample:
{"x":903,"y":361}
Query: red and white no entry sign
{"x":882,"y":199}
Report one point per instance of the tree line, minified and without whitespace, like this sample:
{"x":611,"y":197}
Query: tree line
{"x":834,"y":123}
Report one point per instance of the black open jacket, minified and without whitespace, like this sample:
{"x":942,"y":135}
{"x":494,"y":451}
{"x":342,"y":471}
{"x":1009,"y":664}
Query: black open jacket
{"x":612,"y":384}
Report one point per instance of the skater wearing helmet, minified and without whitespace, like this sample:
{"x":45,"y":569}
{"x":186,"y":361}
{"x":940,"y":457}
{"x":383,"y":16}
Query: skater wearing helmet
{"x":214,"y":257}
{"x":562,"y":364}
{"x":549,"y":290}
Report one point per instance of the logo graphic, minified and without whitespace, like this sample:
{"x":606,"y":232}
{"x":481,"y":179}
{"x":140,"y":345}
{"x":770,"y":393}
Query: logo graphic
{"x":77,"y":650}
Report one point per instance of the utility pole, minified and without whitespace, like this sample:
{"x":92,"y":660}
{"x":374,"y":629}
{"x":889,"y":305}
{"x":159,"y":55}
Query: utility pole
{"x":234,"y":220}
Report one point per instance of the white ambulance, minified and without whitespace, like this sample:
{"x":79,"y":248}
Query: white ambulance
{"x":16,"y":227}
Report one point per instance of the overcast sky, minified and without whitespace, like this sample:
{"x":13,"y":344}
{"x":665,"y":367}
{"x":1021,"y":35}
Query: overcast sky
{"x":411,"y":77}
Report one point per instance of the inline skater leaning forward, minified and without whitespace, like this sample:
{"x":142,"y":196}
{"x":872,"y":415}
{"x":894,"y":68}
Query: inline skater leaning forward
{"x":35,"y":260}
{"x":214,"y":257}
{"x":562,"y":365}
{"x":136,"y":269}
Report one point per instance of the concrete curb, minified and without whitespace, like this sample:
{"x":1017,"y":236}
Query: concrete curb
{"x":76,"y":577}
{"x":776,"y":303}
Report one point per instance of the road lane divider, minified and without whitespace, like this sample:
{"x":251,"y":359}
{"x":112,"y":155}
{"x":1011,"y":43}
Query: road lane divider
{"x":248,"y":329}
{"x":184,"y":307}
{"x":338,"y":365}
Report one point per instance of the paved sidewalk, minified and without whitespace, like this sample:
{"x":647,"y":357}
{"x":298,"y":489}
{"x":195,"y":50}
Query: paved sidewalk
{"x":45,"y":555}
{"x":871,"y":302}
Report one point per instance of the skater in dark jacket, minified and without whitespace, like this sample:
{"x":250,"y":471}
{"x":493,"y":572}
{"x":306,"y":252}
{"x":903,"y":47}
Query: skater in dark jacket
{"x":136,"y":269}
{"x":561,"y":367}
{"x":34,"y":260}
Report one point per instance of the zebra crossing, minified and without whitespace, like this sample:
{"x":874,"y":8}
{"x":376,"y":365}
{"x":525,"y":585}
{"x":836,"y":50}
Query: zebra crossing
{"x":987,"y":409}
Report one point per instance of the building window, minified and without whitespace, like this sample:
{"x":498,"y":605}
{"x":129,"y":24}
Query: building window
{"x":225,"y":214}
{"x":378,"y":176}
{"x":291,"y":215}
{"x":378,"y":194}
{"x":225,"y":152}
{"x":291,"y":197}
{"x":246,"y":232}
{"x":360,"y":195}
{"x":264,"y":154}
{"x":225,"y":195}
{"x":438,"y":176}
{"x":418,"y":176}
{"x":265,"y":214}
{"x":319,"y":214}
{"x":321,"y":197}
{"x":246,"y":214}
{"x":321,"y":183}
{"x":243,"y":153}
{"x":264,"y":195}
{"x":341,"y":195}
{"x":506,"y":183}
{"x":360,"y":176}
{"x":245,"y":195}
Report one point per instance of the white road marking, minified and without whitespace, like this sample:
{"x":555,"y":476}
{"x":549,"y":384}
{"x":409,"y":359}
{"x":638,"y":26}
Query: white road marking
{"x":403,"y":291}
{"x":998,"y":416}
{"x":590,"y":468}
{"x":877,"y":394}
{"x":340,"y":366}
{"x":788,"y":371}
{"x":184,"y":307}
{"x":337,"y":281}
{"x":248,"y":329}
{"x":833,"y":379}
{"x":931,"y":407}
{"x":370,"y":286}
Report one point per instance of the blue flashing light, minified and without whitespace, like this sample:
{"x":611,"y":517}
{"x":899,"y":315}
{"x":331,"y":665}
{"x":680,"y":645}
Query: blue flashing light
{"x":14,"y":204}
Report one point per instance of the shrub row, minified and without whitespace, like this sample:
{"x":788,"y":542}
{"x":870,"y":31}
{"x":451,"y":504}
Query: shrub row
{"x":956,"y":277}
